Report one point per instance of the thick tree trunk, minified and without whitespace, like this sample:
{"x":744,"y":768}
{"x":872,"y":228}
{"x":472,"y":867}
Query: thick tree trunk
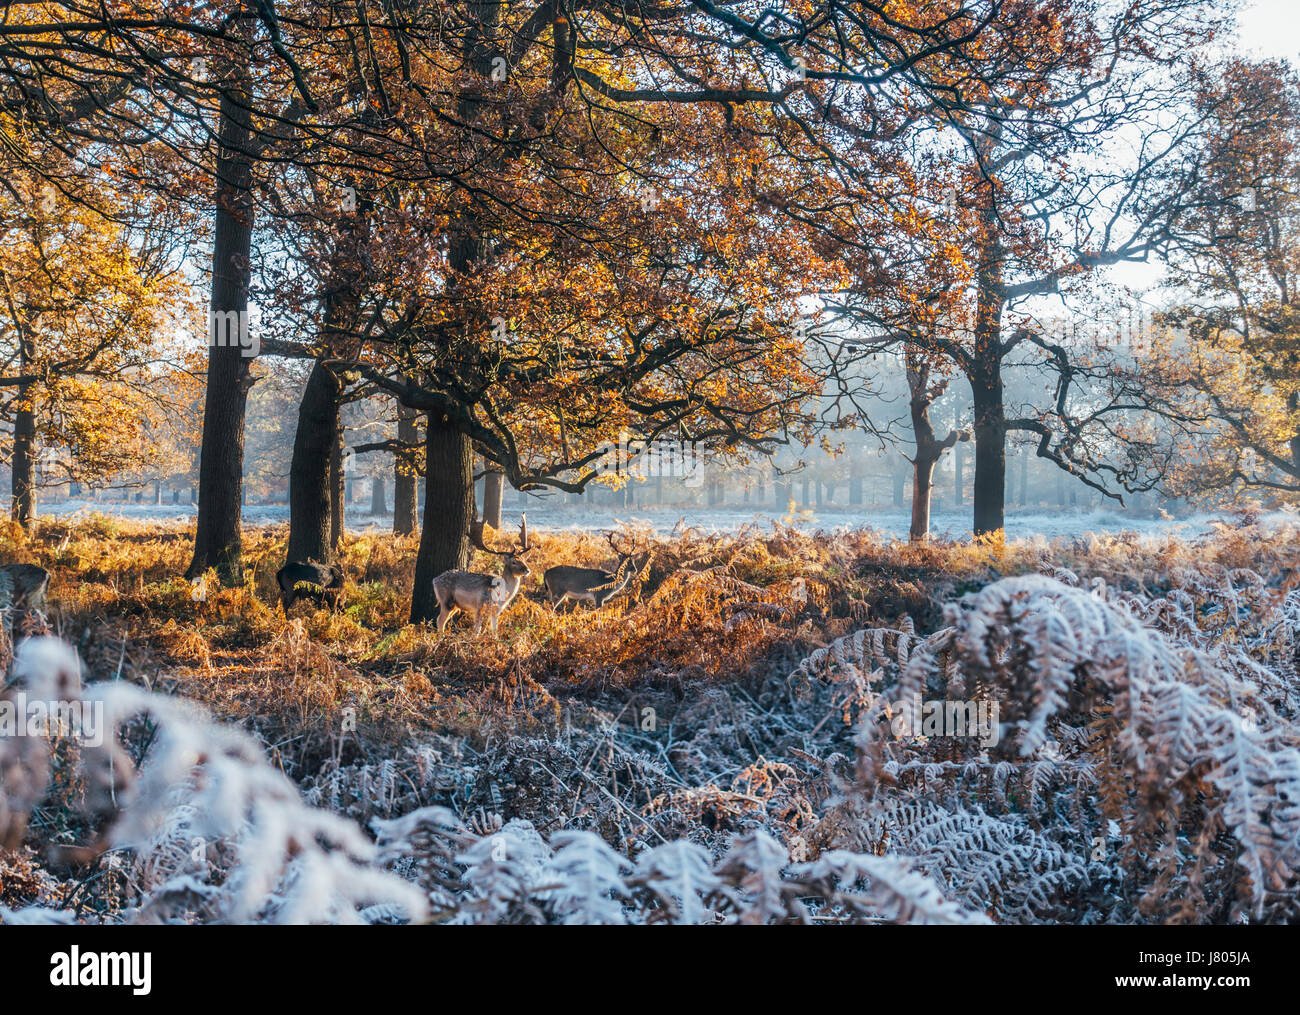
{"x":448,"y":511}
{"x":405,"y":475}
{"x":449,"y":454}
{"x":493,"y":486}
{"x":338,"y":486}
{"x":990,"y":457}
{"x":310,"y":513}
{"x":985,"y":373}
{"x":378,"y":496}
{"x":221,"y":457}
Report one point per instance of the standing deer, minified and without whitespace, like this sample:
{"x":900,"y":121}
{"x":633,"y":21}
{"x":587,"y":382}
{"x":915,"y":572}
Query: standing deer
{"x":589,"y":584}
{"x":482,"y":595}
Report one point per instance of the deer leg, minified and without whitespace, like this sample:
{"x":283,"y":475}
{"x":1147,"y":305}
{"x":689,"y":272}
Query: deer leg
{"x":445,"y":610}
{"x":16,"y":832}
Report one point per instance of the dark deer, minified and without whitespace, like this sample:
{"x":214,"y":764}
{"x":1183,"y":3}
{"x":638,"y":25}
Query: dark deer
{"x":590,"y":584}
{"x":321,"y":583}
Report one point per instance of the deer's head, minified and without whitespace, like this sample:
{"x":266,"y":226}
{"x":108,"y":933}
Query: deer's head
{"x":515,"y":565}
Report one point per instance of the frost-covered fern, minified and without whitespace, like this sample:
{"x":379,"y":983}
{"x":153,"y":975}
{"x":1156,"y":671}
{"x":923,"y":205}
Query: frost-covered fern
{"x":1146,"y":762}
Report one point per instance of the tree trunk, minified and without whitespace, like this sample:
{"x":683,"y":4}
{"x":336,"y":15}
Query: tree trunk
{"x":23,"y":465}
{"x":378,"y":496}
{"x":990,"y":457}
{"x":449,"y":453}
{"x":985,"y":373}
{"x":448,"y":511}
{"x":922,"y":484}
{"x":338,"y":486}
{"x":928,"y":448}
{"x":493,"y":486}
{"x":310,"y":514}
{"x":221,"y":456}
{"x":405,"y":474}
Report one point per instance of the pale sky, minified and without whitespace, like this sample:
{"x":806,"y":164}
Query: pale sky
{"x":1265,"y":29}
{"x":1271,"y":28}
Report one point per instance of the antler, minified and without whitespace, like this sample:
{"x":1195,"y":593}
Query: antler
{"x":609,"y":536}
{"x":476,"y":537}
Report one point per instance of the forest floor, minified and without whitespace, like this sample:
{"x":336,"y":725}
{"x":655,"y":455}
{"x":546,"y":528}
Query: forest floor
{"x":671,"y":713}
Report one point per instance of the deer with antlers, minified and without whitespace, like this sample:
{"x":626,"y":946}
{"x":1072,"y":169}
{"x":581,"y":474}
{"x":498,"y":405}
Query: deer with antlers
{"x":590,"y":584}
{"x":483,"y":596}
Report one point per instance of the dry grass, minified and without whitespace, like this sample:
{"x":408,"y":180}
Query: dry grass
{"x":720,"y":608}
{"x":373,"y":716}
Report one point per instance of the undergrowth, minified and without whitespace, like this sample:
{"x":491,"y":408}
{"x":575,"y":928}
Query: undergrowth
{"x":727,"y":725}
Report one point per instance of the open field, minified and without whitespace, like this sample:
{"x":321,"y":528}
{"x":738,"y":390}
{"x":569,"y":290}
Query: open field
{"x":721,"y":732}
{"x":887,"y":522}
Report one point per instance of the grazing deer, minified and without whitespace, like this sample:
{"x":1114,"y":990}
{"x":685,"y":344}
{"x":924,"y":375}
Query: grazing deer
{"x":27,"y":585}
{"x":589,"y":584}
{"x":321,"y":583}
{"x":482,"y":595}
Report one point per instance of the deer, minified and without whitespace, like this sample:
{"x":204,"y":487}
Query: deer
{"x":483,"y":596}
{"x":27,"y":585}
{"x":321,"y":583}
{"x":589,"y":584}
